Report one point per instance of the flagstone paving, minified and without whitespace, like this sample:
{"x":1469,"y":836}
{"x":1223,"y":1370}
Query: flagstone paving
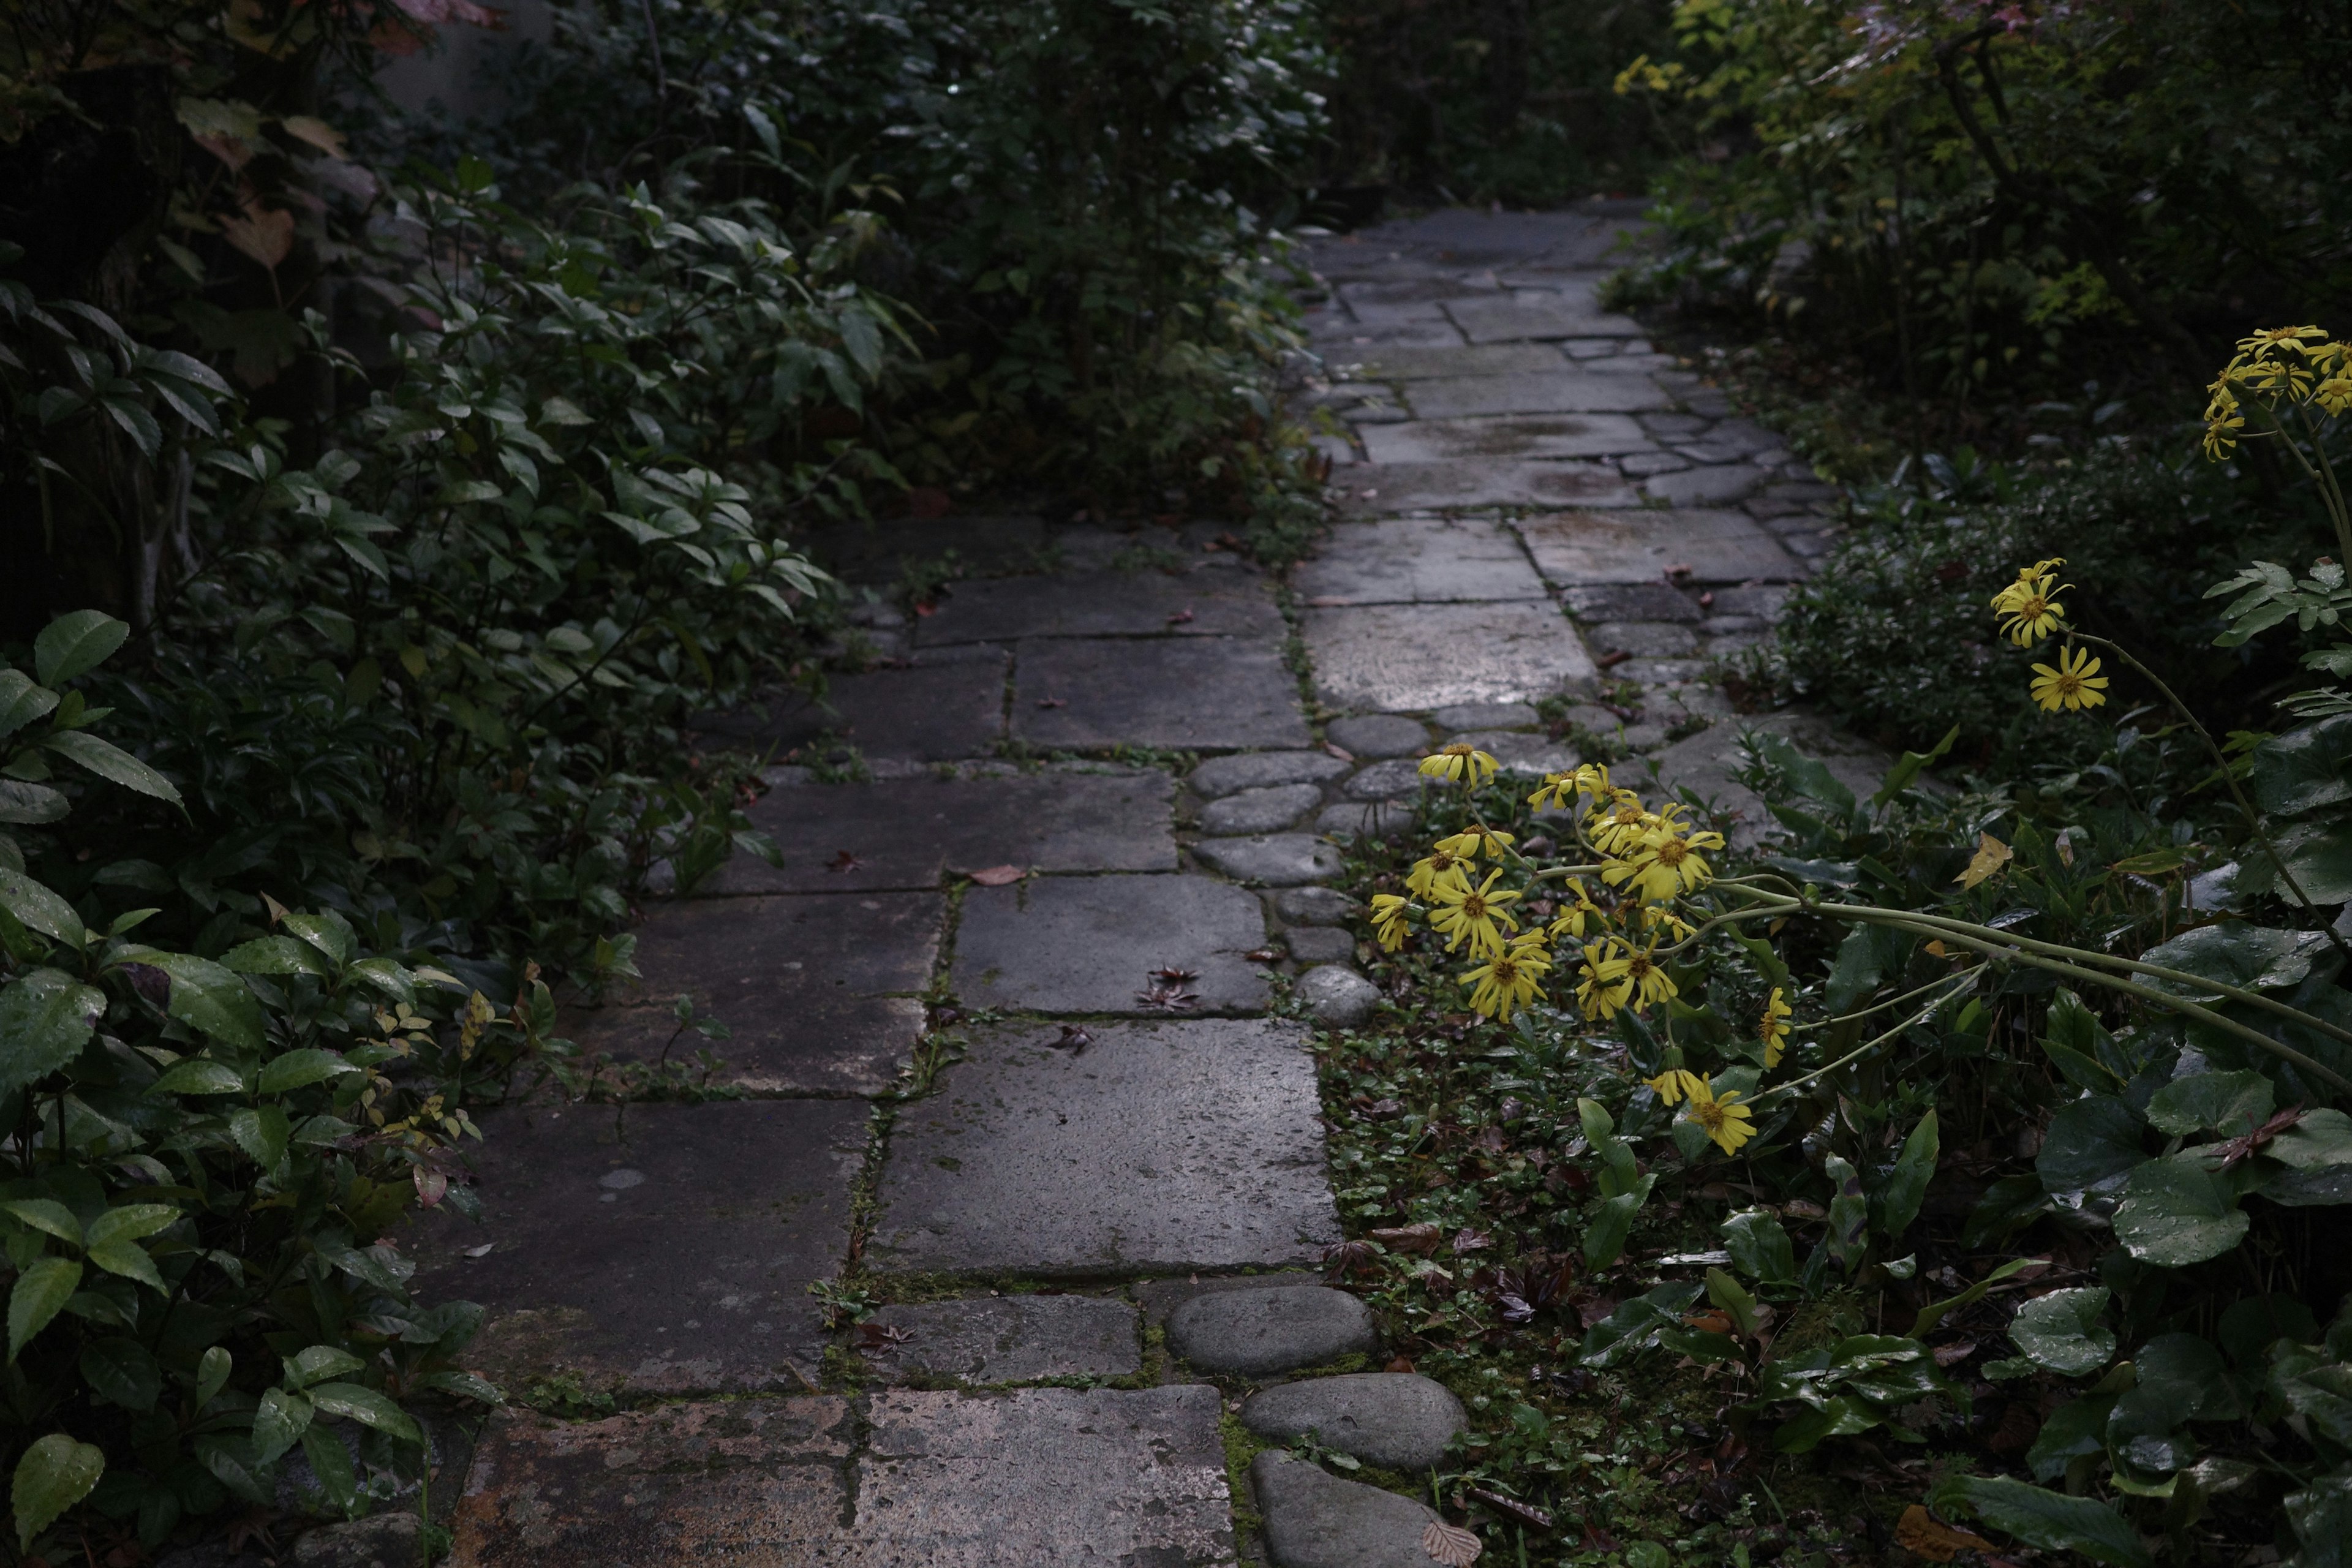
{"x":1018,"y":1020}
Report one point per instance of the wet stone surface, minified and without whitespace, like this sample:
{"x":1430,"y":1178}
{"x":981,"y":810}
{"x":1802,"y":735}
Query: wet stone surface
{"x":1338,"y":997}
{"x":668,"y":1254}
{"x":1010,"y":1339}
{"x":911,"y":833}
{"x":1397,"y":1420}
{"x":818,"y":992}
{"x":946,"y":708}
{"x":1257,"y":1334}
{"x":1412,"y":658}
{"x":1316,"y":905}
{"x":1398,"y":778}
{"x":1378,"y":735}
{"x":1195,"y":601}
{"x":1487,"y":716}
{"x":1153,"y":1148}
{"x":1313,"y":1519}
{"x":1580,"y":548}
{"x":1271,"y":860}
{"x":1215,"y":693}
{"x":1320,"y":945}
{"x":1089,"y":944}
{"x":1260,"y":810}
{"x":1261,"y":770}
{"x":1417,"y":560}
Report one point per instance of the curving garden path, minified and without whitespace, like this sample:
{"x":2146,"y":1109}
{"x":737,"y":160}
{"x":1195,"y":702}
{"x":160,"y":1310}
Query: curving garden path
{"x":1065,"y":1108}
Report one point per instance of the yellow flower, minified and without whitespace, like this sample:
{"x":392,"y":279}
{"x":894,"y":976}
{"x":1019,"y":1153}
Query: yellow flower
{"x":1648,"y":977}
{"x":1728,"y":1123}
{"x":1672,"y":1085}
{"x":1664,"y":863}
{"x":1468,"y":914}
{"x":1388,"y":921}
{"x":2270,"y":339}
{"x":1774,"y":1030}
{"x":1473,"y":841}
{"x":2075,"y":683}
{"x":2334,"y":395}
{"x":1508,"y":980}
{"x":1561,"y":789}
{"x":1659,"y":918}
{"x":2032,"y":609}
{"x":1580,"y":916}
{"x":1457,"y":761}
{"x":2221,"y":431}
{"x":1618,"y":818}
{"x":1604,"y":989}
{"x":1441,"y":869}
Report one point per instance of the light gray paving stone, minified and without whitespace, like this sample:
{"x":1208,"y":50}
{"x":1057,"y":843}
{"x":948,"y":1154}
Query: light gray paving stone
{"x":1157,"y":1148}
{"x":1378,"y":735}
{"x":1644,"y":465}
{"x":1397,"y":362}
{"x":950,"y":705}
{"x":1732,"y":626}
{"x":1272,"y":859}
{"x":1487,"y":716}
{"x":1764,"y":599}
{"x":1711,"y":485}
{"x":1043,"y":1476}
{"x":1373,"y":411}
{"x":1313,"y":1519}
{"x":1521,"y":755}
{"x":1808,"y":546}
{"x":1320,"y":945}
{"x":1412,"y":658}
{"x":1653,"y":601}
{"x":1338,"y":996}
{"x":1363,"y":818}
{"x":1527,"y":314}
{"x":1226,"y":599}
{"x":1596,"y":348}
{"x":1661,"y":671}
{"x":1494,"y":440}
{"x":1260,"y":810}
{"x":913,"y":833}
{"x":1380,"y":488}
{"x":1584,"y":548}
{"x":1010,"y":1339}
{"x":1258,"y":1334}
{"x":1411,"y":559}
{"x":1089,"y":945}
{"x":1391,"y":332}
{"x":1339,"y":448}
{"x":1675,"y":424}
{"x":1577,"y":389}
{"x":1397,"y":1420}
{"x":1645,"y":639}
{"x":1261,"y":770}
{"x":1316,"y":905}
{"x":1398,"y":778}
{"x":1223,"y":693}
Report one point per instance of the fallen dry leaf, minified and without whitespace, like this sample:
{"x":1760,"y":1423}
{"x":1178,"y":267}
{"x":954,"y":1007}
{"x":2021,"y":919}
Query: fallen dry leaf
{"x":317,"y":132}
{"x":1052,"y":702}
{"x":1076,"y":1037}
{"x":1918,"y":1531}
{"x":481,"y":1251}
{"x":878,"y":1338}
{"x":926,"y":607}
{"x":1468,"y":1240}
{"x":844,"y":861}
{"x":1181,"y":617}
{"x":1398,"y":1364}
{"x":1423,"y":1238}
{"x":1168,"y":998}
{"x":1613,"y":659}
{"x":1450,"y":1545}
{"x":999,"y":876}
{"x":1173,"y":975}
{"x":1990,"y":856}
{"x":1953,"y":1355}
{"x":1341,"y":752}
{"x":1345,"y":1257}
{"x":1263,"y":955}
{"x":1511,"y":1508}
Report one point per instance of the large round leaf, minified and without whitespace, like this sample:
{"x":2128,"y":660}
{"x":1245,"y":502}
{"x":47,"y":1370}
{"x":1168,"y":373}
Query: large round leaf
{"x":2251,"y":957}
{"x":55,"y":1474}
{"x":2176,"y":1213}
{"x":2062,"y":1331}
{"x":2089,"y":1144}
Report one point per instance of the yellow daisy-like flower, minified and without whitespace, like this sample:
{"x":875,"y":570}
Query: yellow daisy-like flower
{"x":1388,"y":921}
{"x":1580,"y":915}
{"x":2334,"y":395}
{"x":2031,"y":610}
{"x":2076,"y":682}
{"x":1618,"y":819}
{"x":2027,"y":579}
{"x":1648,"y":977}
{"x":1458,"y":761}
{"x":1602,"y":990}
{"x":2271,"y":339}
{"x":1659,"y":918}
{"x":1727,"y":1122}
{"x":1441,"y":869}
{"x":1666,"y":864}
{"x":1473,"y":914}
{"x":1774,"y":1029}
{"x":2221,"y":431}
{"x":1562,"y":789}
{"x":1508,"y":980}
{"x":1673,"y":1085}
{"x":1473,"y":841}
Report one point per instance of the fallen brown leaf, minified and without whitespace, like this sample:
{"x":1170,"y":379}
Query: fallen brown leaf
{"x":999,"y":876}
{"x":1613,"y":659}
{"x":1181,"y":617}
{"x":1052,"y":703}
{"x":844,"y":861}
{"x":1423,"y":1238}
{"x":1953,"y":1355}
{"x":1168,"y":998}
{"x":1918,"y":1531}
{"x":1398,"y":1364}
{"x":1341,"y":752}
{"x":1263,"y":955}
{"x":1076,"y":1037}
{"x":1450,"y":1545}
{"x":1468,"y":1240}
{"x":1511,"y":1508}
{"x":1172,"y":976}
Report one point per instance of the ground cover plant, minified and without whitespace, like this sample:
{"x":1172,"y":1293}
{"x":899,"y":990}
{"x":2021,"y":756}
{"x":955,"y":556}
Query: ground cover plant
{"x":1979,"y":1147}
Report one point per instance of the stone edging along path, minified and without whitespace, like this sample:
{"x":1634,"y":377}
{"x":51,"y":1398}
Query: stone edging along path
{"x":1066,"y":1122}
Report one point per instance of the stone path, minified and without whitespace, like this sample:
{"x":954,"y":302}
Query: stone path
{"x":1068,"y":1121}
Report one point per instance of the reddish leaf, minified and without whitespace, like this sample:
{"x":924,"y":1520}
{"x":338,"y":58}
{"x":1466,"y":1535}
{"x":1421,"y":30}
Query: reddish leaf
{"x":1076,"y":1037}
{"x":844,"y":860}
{"x":1349,"y":1256}
{"x":1398,"y":1364}
{"x":1168,"y":998}
{"x":931,"y":607}
{"x":1919,"y":1531}
{"x":266,"y":234}
{"x":1613,"y":659}
{"x":1181,"y":617}
{"x":998,"y":876}
{"x":1953,"y":1355}
{"x":1468,"y":1240}
{"x":1263,"y":955}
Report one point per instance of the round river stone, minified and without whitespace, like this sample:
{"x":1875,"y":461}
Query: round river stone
{"x":1254,"y":1333}
{"x":1397,"y":1420}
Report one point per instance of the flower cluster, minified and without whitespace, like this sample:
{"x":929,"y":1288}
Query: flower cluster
{"x":2298,"y":365}
{"x":2029,"y":611}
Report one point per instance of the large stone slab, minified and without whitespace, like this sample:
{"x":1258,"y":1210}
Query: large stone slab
{"x":754,"y":1483}
{"x":1711,"y":485}
{"x":1043,"y":1476}
{"x":1492,"y":440}
{"x":1378,"y":735}
{"x":818,"y":992}
{"x":1281,"y":1328}
{"x":1639,"y":546}
{"x":1525,"y":314}
{"x":1313,"y":1519}
{"x":1157,"y":1148}
{"x":1198,"y":601}
{"x":940,"y":709}
{"x":1569,"y":390}
{"x":881,"y":552}
{"x":912,"y":833}
{"x":664,"y":1248}
{"x":1089,"y":944}
{"x":1581,"y":234}
{"x":1369,"y":489}
{"x":1412,"y":658}
{"x":1400,"y":362}
{"x":1397,"y":1420}
{"x":1218,"y":693}
{"x":1403,"y":560}
{"x":1272,"y":859}
{"x":1010,"y":1339}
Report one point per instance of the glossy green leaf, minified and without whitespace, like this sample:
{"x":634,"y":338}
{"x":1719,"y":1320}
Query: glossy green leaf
{"x":2046,"y":1518}
{"x":111,"y":762}
{"x":2307,"y":768}
{"x":2061,"y":1331}
{"x":127,"y":1259}
{"x":205,"y":996}
{"x":29,"y":804}
{"x":2231,"y":1103}
{"x":2251,"y":957}
{"x":76,"y":644}
{"x":55,"y":1474}
{"x":46,"y":1016}
{"x":21,"y":702}
{"x":2088,"y":1144}
{"x":301,"y":1068}
{"x":365,"y":1405}
{"x":199,"y":1075}
{"x":121,"y":1369}
{"x":276,"y":955}
{"x":1761,"y":1248}
{"x":212,"y":1374}
{"x":315,"y":1364}
{"x":2183,"y":1377}
{"x":2075,"y":1430}
{"x":261,"y":1132}
{"x":1612,"y":1223}
{"x":2175,"y":1213}
{"x":278,"y":1423}
{"x":39,"y":908}
{"x":1905,"y":1186}
{"x":46,"y":1215}
{"x":131,"y":1222}
{"x":41,"y":1292}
